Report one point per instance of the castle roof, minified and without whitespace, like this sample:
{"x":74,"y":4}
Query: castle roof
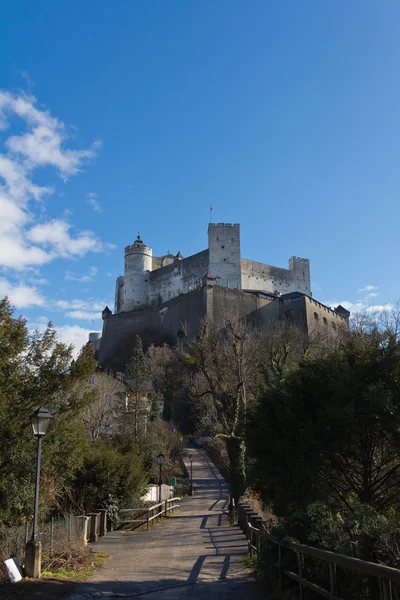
{"x":138,"y":241}
{"x":342,"y":311}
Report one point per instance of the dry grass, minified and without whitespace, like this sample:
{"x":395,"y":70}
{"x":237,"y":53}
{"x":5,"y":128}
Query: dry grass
{"x":255,"y":503}
{"x":58,"y":583}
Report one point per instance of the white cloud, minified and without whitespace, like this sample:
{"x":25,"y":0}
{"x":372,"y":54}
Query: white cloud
{"x":90,"y":276}
{"x":360,"y":307}
{"x":90,"y":304}
{"x":84,"y":315}
{"x":75,"y":335}
{"x":41,"y":144}
{"x":372,"y":295}
{"x":369,"y":288}
{"x":38,"y":280}
{"x":379,"y":308}
{"x":67,"y":334}
{"x":91,"y":197}
{"x":353,"y":307}
{"x":21,"y":295}
{"x":55,"y":235}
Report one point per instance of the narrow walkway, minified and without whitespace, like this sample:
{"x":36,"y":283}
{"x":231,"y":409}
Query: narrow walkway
{"x":194,"y":553}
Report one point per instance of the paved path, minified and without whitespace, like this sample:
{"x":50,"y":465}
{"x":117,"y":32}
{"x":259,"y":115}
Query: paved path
{"x":194,"y":553}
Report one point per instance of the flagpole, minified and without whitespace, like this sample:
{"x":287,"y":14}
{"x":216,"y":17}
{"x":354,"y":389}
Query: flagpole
{"x":210,"y":212}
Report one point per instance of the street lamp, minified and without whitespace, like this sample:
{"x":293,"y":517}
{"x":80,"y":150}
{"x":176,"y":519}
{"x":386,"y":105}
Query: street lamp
{"x":40,"y":420}
{"x":160,"y":460}
{"x":191,"y":475}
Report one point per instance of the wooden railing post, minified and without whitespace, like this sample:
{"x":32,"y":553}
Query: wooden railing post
{"x":301,"y":589}
{"x":387,"y":589}
{"x":148,"y":519}
{"x":332,"y":578}
{"x":280,"y":567}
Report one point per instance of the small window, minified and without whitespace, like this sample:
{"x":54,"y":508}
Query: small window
{"x":224,"y":259}
{"x":217,"y":239}
{"x":325,"y":321}
{"x":334,"y":325}
{"x":222,"y":247}
{"x":106,"y":398}
{"x":316,"y":317}
{"x":92,"y":380}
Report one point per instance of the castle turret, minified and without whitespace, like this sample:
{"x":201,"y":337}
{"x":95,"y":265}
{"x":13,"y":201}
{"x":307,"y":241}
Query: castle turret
{"x":224,"y":254}
{"x":138,"y":264}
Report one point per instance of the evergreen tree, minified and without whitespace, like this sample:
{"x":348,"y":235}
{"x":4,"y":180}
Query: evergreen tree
{"x":37,"y":370}
{"x":137,"y":383}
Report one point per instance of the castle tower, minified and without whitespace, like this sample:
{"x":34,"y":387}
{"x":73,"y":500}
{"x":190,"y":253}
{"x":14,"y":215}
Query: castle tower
{"x":138,"y":264}
{"x":300,"y":268}
{"x":224,"y":254}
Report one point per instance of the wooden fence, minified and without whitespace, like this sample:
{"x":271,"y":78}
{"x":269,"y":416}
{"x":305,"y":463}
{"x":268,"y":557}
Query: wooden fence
{"x":144,"y":516}
{"x":252,"y":525}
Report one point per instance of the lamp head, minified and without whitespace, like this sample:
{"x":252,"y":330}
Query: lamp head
{"x":40,"y":420}
{"x":160,"y":459}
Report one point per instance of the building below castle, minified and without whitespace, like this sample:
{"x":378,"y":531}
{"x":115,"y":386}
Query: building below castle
{"x":157,"y":296}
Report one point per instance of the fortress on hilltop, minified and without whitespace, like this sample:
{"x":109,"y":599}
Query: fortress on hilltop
{"x":156,"y":296}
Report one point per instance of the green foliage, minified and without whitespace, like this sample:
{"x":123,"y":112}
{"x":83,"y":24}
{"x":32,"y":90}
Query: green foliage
{"x":112,"y":469}
{"x":154,"y":409}
{"x":330,"y":430}
{"x":37,"y":370}
{"x":237,"y":460}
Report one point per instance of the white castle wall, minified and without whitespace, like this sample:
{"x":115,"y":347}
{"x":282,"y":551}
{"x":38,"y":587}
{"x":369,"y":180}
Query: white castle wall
{"x":265,"y":278}
{"x":138,"y":263}
{"x":141,"y":286}
{"x":180,"y":277}
{"x":224,"y":254}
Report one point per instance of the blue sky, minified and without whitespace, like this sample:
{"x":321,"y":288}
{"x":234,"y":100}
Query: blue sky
{"x":126,"y":116}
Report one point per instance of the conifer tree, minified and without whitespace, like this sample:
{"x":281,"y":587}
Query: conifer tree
{"x":137,"y":383}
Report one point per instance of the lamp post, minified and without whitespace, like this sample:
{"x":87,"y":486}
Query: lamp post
{"x":40,"y":420}
{"x":160,"y":460}
{"x":191,"y":475}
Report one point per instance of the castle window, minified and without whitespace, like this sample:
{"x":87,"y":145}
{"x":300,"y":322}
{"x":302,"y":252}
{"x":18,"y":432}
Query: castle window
{"x":217,"y":239}
{"x":224,"y":259}
{"x":92,"y":380}
{"x":222,"y":247}
{"x":316,"y":317}
{"x":334,"y":325}
{"x":289,"y":315}
{"x":325,"y":321}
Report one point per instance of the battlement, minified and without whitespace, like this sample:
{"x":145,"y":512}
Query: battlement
{"x":137,"y":248}
{"x":298,"y":259}
{"x":223,"y":225}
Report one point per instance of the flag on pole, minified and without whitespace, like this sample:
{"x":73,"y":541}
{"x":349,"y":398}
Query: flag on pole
{"x":211,"y":208}
{"x":93,"y":321}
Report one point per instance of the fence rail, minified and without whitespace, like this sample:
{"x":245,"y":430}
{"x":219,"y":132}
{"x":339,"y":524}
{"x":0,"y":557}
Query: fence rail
{"x":257,"y":538}
{"x":147,"y":515}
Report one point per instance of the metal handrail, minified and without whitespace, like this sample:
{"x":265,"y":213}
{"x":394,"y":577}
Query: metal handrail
{"x":387,"y":575}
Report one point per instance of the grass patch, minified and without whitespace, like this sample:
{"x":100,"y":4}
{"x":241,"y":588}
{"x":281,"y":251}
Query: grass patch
{"x":81,"y":573}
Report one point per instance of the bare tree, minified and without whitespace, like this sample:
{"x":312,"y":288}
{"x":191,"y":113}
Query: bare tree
{"x":103,"y":415}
